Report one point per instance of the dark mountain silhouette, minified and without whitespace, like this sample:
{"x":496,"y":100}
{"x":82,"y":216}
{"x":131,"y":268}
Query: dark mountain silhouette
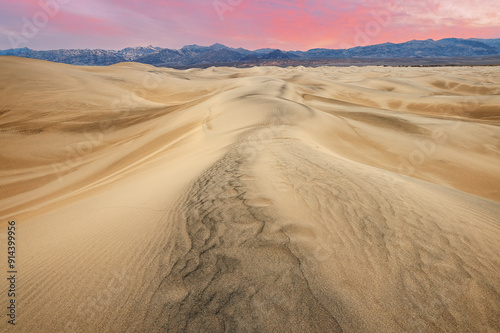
{"x":218,"y":54}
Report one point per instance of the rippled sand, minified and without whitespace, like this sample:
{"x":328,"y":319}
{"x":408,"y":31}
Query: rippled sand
{"x":252,"y":200}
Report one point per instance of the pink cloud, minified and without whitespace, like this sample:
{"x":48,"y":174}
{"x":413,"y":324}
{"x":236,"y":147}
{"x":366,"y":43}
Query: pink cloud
{"x":294,"y":24}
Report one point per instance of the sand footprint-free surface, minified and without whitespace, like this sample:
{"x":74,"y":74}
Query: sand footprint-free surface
{"x":329,"y":199}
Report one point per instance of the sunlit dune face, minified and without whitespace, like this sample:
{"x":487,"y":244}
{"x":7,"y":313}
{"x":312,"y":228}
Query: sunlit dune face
{"x":266,"y":199}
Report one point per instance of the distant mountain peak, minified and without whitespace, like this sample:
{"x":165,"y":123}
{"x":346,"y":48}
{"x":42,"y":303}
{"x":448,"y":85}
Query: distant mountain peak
{"x":193,"y":46}
{"x":218,"y":46}
{"x":196,"y":55}
{"x":276,"y":54}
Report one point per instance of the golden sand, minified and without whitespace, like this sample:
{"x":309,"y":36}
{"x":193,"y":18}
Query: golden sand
{"x":251,"y":200}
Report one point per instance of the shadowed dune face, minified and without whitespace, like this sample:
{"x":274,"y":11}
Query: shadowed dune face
{"x":253,"y":200}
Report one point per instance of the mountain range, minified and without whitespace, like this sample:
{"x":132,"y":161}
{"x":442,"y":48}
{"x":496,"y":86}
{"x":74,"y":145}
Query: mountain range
{"x":218,"y":54}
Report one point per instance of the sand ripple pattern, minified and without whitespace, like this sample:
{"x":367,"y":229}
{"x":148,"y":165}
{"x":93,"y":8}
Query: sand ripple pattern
{"x":373,"y":253}
{"x":252,"y":200}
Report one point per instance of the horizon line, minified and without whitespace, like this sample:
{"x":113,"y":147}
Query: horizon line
{"x":264,"y":48}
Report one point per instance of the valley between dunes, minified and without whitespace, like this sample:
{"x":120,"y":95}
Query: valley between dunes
{"x":330,"y":199}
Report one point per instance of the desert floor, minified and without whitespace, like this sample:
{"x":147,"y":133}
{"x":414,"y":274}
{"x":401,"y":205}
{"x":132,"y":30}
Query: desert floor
{"x":332,"y":199}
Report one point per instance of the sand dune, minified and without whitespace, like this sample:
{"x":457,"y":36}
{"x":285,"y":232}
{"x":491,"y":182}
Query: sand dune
{"x":251,"y":200}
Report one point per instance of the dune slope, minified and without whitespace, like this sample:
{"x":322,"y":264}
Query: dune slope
{"x":252,"y":200}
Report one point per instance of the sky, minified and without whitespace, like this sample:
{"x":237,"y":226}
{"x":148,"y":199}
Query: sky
{"x":252,"y":24}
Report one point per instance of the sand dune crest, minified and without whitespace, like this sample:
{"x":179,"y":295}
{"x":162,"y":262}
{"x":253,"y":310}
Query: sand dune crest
{"x":252,"y":200}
